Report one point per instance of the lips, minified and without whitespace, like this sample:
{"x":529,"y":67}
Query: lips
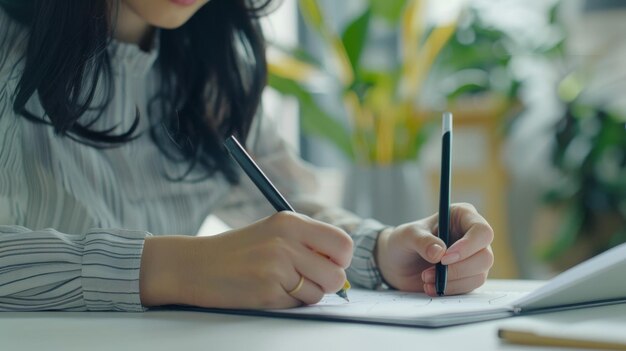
{"x":184,"y":2}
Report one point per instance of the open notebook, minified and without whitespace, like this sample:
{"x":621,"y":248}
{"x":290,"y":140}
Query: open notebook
{"x":598,"y":281}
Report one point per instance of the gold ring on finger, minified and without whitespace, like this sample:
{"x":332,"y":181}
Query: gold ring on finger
{"x":298,"y":287}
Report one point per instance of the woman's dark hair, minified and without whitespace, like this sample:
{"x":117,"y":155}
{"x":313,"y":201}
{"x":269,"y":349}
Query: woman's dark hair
{"x":212,"y":70}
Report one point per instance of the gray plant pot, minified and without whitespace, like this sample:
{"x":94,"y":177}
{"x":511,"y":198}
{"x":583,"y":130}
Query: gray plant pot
{"x":393,"y":194}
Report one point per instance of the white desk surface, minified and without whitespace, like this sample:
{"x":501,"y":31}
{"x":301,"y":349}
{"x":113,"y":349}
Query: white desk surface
{"x":182,"y":330}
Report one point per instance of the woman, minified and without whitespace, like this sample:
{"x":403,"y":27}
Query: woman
{"x":112,"y":118}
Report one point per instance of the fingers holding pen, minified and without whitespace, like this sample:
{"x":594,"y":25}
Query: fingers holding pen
{"x":304,"y":291}
{"x":474,"y":233}
{"x":463,"y":276}
{"x":313,"y":276}
{"x":329,"y":276}
{"x":318,"y":253}
{"x":256,"y":266}
{"x":459,"y":286}
{"x":326,"y":243}
{"x":323,"y":238}
{"x":479,"y":263}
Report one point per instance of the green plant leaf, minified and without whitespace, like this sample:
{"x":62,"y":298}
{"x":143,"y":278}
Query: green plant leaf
{"x":567,"y":235}
{"x":355,"y":36}
{"x":297,"y":53}
{"x":312,"y":13}
{"x":423,"y":135}
{"x":389,"y":10}
{"x":313,"y":119}
{"x":467,"y":89}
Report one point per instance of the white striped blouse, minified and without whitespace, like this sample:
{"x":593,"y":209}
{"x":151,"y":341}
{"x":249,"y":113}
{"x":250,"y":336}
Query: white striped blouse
{"x":73,"y":218}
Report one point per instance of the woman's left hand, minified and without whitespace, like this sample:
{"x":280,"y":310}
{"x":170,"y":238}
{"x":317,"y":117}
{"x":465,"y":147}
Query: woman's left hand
{"x":406,"y":255}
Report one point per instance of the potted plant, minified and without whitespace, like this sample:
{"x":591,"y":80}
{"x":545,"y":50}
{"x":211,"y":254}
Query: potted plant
{"x":389,"y":113}
{"x":589,"y":154}
{"x":385,"y":128}
{"x":584,"y":207}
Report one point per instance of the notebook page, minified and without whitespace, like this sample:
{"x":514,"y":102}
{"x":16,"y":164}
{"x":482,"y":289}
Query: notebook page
{"x":597,"y":279}
{"x":391,"y":304}
{"x":391,"y":307}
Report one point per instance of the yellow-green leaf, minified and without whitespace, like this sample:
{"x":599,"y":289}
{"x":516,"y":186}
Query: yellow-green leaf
{"x":312,"y":13}
{"x":355,"y":36}
{"x":314,"y":120}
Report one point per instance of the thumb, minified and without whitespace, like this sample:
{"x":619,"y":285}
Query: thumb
{"x":428,"y":246}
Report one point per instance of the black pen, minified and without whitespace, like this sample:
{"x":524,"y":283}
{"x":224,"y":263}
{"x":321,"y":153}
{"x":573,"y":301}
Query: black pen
{"x":266,"y":187}
{"x":444,"y":199}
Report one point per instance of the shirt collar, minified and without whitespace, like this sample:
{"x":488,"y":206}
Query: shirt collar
{"x":131,"y":57}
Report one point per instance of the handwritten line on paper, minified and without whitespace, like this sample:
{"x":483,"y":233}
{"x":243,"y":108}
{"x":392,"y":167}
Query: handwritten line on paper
{"x":391,"y":303}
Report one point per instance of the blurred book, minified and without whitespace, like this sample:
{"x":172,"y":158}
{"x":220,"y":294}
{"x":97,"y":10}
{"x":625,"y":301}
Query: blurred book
{"x":601,"y":334}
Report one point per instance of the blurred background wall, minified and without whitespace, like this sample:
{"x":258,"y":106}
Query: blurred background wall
{"x":538,"y":90}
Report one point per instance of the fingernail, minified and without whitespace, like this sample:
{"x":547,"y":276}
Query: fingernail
{"x":434,"y":251}
{"x":451,"y":258}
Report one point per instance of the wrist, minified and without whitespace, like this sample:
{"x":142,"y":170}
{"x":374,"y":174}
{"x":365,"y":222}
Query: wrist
{"x":161,"y":269}
{"x":379,"y":252}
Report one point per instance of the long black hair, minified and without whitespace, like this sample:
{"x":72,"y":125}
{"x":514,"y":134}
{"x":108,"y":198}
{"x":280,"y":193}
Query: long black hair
{"x":212,"y":70}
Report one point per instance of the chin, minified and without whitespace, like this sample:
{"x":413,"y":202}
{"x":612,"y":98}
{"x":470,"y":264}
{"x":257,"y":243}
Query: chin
{"x":169,"y":23}
{"x":169,"y":19}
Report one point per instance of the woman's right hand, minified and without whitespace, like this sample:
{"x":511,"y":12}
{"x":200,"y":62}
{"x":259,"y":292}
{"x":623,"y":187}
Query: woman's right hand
{"x":252,"y":267}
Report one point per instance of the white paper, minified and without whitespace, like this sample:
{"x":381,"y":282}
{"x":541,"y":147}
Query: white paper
{"x":600,"y":278}
{"x":402,"y":305}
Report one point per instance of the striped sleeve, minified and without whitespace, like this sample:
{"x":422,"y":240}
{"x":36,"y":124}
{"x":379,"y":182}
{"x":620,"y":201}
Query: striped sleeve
{"x":48,"y":270}
{"x":45,"y":269}
{"x":363,"y":270}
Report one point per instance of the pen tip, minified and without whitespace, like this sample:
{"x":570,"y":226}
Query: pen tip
{"x":343,"y":295}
